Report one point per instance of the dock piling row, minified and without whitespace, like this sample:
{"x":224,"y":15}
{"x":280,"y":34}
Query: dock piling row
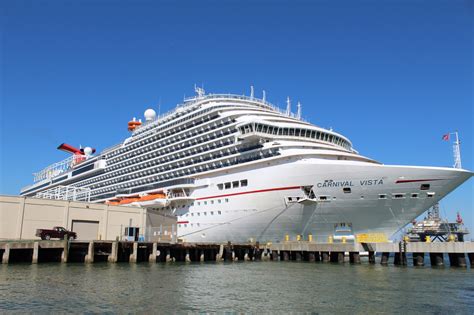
{"x":460,"y":254}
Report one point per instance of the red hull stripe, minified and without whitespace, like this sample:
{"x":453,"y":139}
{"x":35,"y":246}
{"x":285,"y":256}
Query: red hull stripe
{"x":415,"y":180}
{"x":250,"y":192}
{"x":182,"y":222}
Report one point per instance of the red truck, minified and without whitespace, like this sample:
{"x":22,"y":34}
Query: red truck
{"x":56,"y":232}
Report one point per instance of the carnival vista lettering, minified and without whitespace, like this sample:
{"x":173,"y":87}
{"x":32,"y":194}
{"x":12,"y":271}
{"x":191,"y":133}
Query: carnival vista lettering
{"x":349,"y":183}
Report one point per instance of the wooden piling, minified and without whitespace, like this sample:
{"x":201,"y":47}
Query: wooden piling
{"x":354,"y":257}
{"x":418,"y":259}
{"x":34,"y":258}
{"x":471,"y":259}
{"x":90,"y":254}
{"x":461,"y":260}
{"x":371,"y":257}
{"x":65,"y":253}
{"x":298,"y":256}
{"x":134,"y":255}
{"x":325,"y":257}
{"x":436,"y":259}
{"x":113,"y":257}
{"x":453,"y":259}
{"x":384,"y":259}
{"x":154,"y":252}
{"x":6,"y":254}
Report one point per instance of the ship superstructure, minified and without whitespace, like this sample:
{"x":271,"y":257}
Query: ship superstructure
{"x":233,"y":167}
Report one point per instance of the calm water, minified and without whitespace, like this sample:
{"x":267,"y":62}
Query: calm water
{"x":250,"y":287}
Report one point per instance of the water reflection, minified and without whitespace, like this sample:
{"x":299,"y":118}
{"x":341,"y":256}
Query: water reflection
{"x":254,"y":287}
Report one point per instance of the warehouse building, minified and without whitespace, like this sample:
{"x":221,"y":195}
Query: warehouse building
{"x":20,"y":217}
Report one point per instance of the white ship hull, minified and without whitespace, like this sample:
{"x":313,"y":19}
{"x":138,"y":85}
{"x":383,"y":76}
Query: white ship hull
{"x":237,"y":168}
{"x":261,"y":211}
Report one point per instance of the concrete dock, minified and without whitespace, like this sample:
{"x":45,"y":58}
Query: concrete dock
{"x":38,"y":251}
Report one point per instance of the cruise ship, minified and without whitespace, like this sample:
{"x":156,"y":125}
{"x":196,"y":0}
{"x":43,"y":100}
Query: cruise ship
{"x":237,"y":168}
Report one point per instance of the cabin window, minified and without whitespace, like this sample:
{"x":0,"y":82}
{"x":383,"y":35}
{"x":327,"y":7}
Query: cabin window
{"x":346,"y":190}
{"x":220,"y":186}
{"x":219,"y":212}
{"x":235,"y":184}
{"x":227,"y":185}
{"x":425,"y":187}
{"x":414,"y":195}
{"x":323,"y":198}
{"x":430,"y":194}
{"x":243,"y":183}
{"x":398,"y":196}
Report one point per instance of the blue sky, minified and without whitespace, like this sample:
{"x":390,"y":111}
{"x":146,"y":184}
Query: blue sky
{"x":392,"y":76}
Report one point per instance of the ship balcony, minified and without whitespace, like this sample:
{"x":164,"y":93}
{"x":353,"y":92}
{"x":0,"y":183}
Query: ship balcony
{"x":59,"y":167}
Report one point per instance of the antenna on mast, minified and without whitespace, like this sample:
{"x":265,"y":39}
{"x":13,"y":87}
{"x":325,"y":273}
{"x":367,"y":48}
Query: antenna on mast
{"x":264,"y":97}
{"x":457,"y":152}
{"x":251,"y":92}
{"x":456,"y":148}
{"x":288,"y":106}
{"x":199,"y":91}
{"x":298,"y":113}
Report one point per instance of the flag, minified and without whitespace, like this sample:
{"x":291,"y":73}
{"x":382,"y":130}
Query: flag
{"x":446,"y":137}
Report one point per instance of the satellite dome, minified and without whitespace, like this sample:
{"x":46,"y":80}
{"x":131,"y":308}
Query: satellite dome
{"x":87,"y":150}
{"x":150,"y":114}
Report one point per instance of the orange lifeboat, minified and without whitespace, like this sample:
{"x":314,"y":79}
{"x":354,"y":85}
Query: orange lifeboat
{"x":152,"y":197}
{"x":133,"y":124}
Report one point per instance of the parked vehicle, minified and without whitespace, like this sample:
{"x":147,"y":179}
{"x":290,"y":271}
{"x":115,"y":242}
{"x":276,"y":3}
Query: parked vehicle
{"x":56,"y":232}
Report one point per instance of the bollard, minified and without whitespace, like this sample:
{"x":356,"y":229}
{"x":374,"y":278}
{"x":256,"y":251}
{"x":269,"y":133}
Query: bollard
{"x":451,"y":238}
{"x":310,"y":238}
{"x":325,"y":257}
{"x":428,"y":239}
{"x":287,"y":238}
{"x":371,"y":257}
{"x":436,"y":259}
{"x":34,"y":259}
{"x":418,"y":259}
{"x":298,"y":237}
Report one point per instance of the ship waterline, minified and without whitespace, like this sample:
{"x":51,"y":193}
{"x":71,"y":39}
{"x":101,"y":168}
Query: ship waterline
{"x":234,"y":168}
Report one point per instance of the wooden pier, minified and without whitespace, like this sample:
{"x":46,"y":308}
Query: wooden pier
{"x":36,"y":251}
